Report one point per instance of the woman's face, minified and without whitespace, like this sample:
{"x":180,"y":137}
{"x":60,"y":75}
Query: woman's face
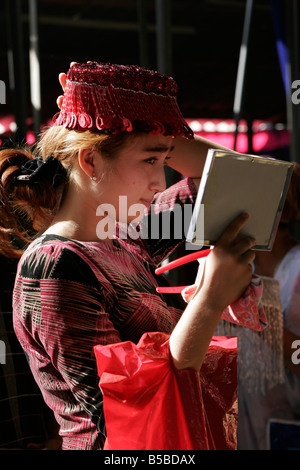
{"x":135,"y":175}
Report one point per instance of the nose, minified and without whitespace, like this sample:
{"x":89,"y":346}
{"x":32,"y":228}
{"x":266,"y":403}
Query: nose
{"x":158,"y":181}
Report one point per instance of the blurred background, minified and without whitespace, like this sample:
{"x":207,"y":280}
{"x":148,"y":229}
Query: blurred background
{"x":234,"y":61}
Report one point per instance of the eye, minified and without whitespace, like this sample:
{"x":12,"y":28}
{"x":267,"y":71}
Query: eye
{"x":151,"y":160}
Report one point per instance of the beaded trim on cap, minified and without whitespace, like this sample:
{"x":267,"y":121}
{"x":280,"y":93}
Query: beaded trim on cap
{"x":101,"y":96}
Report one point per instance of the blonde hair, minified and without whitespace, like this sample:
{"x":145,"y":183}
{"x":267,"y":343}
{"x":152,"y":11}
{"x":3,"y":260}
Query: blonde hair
{"x":29,"y":208}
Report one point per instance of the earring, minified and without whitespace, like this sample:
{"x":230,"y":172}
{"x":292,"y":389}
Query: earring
{"x":93,"y":178}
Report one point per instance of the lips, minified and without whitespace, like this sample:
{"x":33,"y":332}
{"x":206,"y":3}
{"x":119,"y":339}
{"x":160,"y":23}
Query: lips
{"x":146,"y":202}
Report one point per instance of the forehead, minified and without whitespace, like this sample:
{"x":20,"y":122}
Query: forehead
{"x":148,"y":143}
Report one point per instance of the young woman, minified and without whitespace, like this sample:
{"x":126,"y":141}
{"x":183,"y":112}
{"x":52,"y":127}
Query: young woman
{"x":83,"y":281}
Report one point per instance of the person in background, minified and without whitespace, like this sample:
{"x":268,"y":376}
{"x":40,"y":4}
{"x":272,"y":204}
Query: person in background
{"x":283,"y":264}
{"x":270,"y":412}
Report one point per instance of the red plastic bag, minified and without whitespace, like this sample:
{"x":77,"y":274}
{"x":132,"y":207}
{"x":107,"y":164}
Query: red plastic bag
{"x":150,"y":405}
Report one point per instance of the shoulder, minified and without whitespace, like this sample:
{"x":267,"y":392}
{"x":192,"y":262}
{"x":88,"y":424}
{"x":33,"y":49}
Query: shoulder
{"x":183,"y":191}
{"x":288,"y":272}
{"x":57,"y":258}
{"x":291,"y":261}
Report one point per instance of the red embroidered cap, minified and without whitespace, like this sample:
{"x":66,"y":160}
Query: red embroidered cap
{"x":103,"y":96}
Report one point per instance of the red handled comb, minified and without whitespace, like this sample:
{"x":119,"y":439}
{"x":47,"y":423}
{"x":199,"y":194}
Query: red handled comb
{"x":179,"y":262}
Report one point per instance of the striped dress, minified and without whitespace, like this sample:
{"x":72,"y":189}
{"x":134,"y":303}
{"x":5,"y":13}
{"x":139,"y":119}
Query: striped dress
{"x":70,"y":296}
{"x":22,"y":408}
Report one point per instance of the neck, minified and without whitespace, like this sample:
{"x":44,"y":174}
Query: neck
{"x":77,"y":219}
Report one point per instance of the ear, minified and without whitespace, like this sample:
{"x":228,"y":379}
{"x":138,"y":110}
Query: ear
{"x":89,"y":161}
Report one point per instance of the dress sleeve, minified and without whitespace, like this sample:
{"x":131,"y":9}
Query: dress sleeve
{"x":164,"y":226}
{"x":60,"y":314}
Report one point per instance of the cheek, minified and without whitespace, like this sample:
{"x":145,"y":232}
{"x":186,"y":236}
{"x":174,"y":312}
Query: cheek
{"x":130,"y":178}
{"x":133,"y":178}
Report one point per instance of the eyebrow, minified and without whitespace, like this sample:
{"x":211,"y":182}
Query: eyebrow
{"x":159,"y":149}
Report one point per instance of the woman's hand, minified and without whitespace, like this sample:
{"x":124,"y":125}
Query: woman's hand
{"x":62,"y":78}
{"x":228,"y":270}
{"x":226,"y":275}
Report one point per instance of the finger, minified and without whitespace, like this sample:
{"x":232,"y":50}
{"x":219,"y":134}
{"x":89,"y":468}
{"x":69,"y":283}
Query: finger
{"x":248,"y":257}
{"x":59,"y":101}
{"x":62,"y":77}
{"x":243,"y":244}
{"x":231,"y":232}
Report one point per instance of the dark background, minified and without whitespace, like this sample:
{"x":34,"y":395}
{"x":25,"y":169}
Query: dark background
{"x":204,"y":50}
